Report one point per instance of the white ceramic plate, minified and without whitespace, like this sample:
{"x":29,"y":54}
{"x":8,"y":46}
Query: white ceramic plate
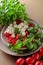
{"x":4,"y":43}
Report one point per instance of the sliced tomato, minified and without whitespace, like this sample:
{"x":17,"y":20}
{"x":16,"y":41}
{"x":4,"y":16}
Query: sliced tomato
{"x":9,"y":39}
{"x":26,"y":32}
{"x":18,"y":21}
{"x":31,"y":25}
{"x":17,"y":36}
{"x":14,"y":41}
{"x":7,"y":34}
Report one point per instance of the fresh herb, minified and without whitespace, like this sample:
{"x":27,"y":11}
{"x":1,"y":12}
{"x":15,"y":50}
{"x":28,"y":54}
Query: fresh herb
{"x":39,"y":35}
{"x":35,"y":46}
{"x":16,"y":30}
{"x":30,"y":46}
{"x":38,"y":42}
{"x":11,"y":10}
{"x":33,"y":29}
{"x":17,"y":46}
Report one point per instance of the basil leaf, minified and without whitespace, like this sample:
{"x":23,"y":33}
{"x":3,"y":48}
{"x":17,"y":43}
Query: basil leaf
{"x":30,"y":46}
{"x":39,"y":35}
{"x":38,"y":42}
{"x":17,"y":46}
{"x":34,"y":47}
{"x":16,"y":30}
{"x":31,"y":37}
{"x":33,"y":29}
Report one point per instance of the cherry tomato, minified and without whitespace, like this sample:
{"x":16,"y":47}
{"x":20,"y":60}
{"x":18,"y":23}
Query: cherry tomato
{"x":30,"y":64}
{"x":18,"y":21}
{"x":30,"y":60}
{"x":20,"y":61}
{"x":17,"y":36}
{"x":7,"y":34}
{"x":36,"y":56}
{"x":38,"y":63}
{"x":31,"y":25}
{"x":41,"y":52}
{"x":26,"y":32}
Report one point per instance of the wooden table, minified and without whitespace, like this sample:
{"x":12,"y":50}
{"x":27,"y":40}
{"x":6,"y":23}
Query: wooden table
{"x":35,"y":11}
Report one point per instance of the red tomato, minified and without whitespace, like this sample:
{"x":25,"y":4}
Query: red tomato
{"x":41,"y":52}
{"x":17,"y":36}
{"x":38,"y":63}
{"x":20,"y":61}
{"x":18,"y":21}
{"x":14,"y":41}
{"x":31,"y":25}
{"x":26,"y":32}
{"x":7,"y":34}
{"x":9,"y":39}
{"x":36,"y":56}
{"x":30,"y":64}
{"x":30,"y":60}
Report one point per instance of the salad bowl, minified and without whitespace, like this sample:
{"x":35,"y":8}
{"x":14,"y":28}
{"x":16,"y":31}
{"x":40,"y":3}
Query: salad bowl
{"x":5,"y":48}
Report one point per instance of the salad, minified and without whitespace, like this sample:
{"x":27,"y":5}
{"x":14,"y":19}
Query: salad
{"x":20,"y":33}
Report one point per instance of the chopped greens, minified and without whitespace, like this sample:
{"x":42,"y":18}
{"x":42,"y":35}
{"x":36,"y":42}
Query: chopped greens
{"x":39,"y":35}
{"x":38,"y":42}
{"x":33,"y":29}
{"x":16,"y":30}
{"x":30,"y":46}
{"x":17,"y":46}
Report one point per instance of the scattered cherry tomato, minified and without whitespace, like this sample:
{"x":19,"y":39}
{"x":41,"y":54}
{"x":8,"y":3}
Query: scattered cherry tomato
{"x":31,"y":25}
{"x":30,"y":60}
{"x":17,"y":36}
{"x":20,"y":61}
{"x":30,"y":64}
{"x":38,"y":63}
{"x":18,"y":21}
{"x":26,"y":32}
{"x":36,"y":56}
{"x":41,"y":52}
{"x":7,"y":34}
